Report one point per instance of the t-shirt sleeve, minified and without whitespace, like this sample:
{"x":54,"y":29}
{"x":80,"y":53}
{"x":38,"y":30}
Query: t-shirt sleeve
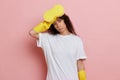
{"x":42,"y":39}
{"x":80,"y":50}
{"x":39,"y":40}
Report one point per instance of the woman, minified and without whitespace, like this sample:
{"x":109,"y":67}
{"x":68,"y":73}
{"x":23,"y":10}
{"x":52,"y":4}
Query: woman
{"x":63,"y":50}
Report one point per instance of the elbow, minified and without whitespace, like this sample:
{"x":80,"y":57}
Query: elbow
{"x":32,"y":33}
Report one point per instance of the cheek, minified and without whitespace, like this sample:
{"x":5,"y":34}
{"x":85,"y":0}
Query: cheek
{"x":63,"y":24}
{"x":56,"y":28}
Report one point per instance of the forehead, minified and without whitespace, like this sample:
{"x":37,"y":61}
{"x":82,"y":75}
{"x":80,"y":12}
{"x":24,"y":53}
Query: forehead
{"x":57,"y":20}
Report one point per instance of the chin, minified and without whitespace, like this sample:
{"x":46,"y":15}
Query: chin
{"x":61,"y":31}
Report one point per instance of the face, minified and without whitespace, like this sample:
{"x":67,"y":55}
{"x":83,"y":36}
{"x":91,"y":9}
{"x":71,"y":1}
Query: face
{"x":60,"y":26}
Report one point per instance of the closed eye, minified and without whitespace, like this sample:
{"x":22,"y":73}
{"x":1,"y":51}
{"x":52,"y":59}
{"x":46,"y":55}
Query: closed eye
{"x":59,"y":20}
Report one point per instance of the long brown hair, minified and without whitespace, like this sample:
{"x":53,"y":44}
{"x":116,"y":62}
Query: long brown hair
{"x":68,"y":23}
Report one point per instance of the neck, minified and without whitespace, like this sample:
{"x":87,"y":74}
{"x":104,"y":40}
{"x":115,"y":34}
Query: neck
{"x":65,"y":33}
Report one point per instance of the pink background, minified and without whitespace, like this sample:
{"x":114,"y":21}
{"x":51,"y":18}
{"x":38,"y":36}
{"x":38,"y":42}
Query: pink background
{"x":96,"y":21}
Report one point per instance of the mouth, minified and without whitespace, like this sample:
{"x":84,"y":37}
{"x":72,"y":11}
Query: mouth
{"x":60,"y":29}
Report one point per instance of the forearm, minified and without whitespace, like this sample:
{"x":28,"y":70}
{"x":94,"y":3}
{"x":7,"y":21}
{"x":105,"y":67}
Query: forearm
{"x":81,"y":70}
{"x":41,"y":27}
{"x":80,"y":65}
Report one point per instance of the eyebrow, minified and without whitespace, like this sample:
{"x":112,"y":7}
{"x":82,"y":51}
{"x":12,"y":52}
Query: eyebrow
{"x":57,"y":20}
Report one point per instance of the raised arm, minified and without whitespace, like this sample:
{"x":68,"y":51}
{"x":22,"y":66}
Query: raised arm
{"x":41,"y":27}
{"x":49,"y":17}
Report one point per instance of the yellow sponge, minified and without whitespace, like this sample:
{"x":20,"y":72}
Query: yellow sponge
{"x":53,"y":13}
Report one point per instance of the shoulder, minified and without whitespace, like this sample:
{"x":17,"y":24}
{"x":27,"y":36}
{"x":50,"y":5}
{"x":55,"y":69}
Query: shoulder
{"x":46,"y":35}
{"x":77,"y":38}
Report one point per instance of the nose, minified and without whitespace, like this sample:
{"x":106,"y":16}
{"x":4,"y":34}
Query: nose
{"x":58,"y":25}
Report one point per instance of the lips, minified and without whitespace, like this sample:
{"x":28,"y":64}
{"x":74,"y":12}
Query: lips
{"x":60,"y":29}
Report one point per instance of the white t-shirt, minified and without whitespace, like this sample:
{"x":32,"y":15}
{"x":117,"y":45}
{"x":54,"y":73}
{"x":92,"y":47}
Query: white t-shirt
{"x":61,"y":55}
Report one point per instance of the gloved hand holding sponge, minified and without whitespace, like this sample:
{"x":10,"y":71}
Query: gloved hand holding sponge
{"x":49,"y":17}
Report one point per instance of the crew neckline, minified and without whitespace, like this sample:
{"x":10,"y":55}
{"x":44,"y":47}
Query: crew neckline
{"x":67,"y":35}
